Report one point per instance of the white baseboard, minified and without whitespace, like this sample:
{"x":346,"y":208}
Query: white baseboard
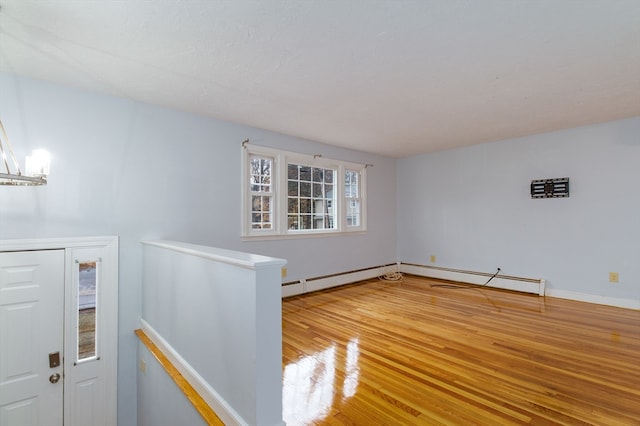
{"x":592,"y":298}
{"x":526,"y":285}
{"x":218,"y":404}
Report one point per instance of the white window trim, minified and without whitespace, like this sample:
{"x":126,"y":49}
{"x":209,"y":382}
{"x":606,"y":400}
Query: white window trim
{"x":279,"y":202}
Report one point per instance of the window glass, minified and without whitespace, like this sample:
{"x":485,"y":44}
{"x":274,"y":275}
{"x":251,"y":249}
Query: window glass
{"x":261,"y":183}
{"x":352,"y":195}
{"x":87,"y":309}
{"x":310,"y":198}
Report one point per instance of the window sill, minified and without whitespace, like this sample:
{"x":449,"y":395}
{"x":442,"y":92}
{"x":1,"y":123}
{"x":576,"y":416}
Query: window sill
{"x":297,"y":236}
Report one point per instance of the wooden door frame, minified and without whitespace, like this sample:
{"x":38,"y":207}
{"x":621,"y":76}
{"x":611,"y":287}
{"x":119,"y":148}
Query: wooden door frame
{"x":109,"y":247}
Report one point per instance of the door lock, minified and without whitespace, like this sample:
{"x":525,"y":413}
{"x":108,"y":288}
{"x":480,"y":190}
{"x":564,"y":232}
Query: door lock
{"x":54,"y":359}
{"x":54,"y":378}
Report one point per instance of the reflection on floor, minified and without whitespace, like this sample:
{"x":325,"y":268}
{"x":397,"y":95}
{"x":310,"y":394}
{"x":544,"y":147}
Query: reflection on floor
{"x":408,"y":353}
{"x":309,"y":383}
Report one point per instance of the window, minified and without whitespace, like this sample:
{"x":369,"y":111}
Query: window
{"x":310,"y":198}
{"x":87,"y":310}
{"x":261,"y":192}
{"x":287,"y":194}
{"x":352,"y":195}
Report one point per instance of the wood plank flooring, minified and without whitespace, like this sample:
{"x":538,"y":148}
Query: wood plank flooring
{"x":381,"y":353}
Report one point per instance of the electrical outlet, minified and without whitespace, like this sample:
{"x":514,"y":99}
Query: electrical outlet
{"x":433,"y":258}
{"x":284,"y":272}
{"x":613,"y":277}
{"x":143,"y":366}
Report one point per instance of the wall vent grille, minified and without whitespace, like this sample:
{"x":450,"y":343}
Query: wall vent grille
{"x":550,"y":188}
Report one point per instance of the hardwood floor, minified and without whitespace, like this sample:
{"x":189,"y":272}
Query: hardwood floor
{"x":409,"y":353}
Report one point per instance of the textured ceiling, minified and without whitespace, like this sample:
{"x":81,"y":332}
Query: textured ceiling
{"x":393,"y":77}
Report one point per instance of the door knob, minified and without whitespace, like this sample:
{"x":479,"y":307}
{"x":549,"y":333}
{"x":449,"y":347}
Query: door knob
{"x":54,"y":378}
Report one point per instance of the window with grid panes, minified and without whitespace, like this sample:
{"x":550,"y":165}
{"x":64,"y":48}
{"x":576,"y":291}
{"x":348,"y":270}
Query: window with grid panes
{"x":261,"y":188}
{"x":294,"y":195}
{"x":310,"y":197}
{"x":352,"y":197}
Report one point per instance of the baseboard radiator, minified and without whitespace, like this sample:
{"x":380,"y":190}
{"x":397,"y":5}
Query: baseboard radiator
{"x":505,"y":282}
{"x":307,"y":285}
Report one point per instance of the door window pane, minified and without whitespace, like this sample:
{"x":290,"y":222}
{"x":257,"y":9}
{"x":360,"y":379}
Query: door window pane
{"x":87,"y":309}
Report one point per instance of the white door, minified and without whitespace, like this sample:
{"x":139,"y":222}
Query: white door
{"x":31,"y":328}
{"x":86,"y":351}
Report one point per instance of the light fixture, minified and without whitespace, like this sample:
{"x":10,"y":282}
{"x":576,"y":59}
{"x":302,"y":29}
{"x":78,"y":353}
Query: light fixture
{"x":37,"y":165}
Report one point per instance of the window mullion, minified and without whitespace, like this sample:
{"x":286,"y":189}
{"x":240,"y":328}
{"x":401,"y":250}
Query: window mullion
{"x":281,"y":194}
{"x":341,"y":207}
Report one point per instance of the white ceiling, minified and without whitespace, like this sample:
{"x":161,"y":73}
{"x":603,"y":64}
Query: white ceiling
{"x":394,"y":77}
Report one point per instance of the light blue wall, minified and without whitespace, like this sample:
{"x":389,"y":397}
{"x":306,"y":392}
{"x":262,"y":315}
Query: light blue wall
{"x":156,"y":385}
{"x":142,"y":172}
{"x":472,"y":209}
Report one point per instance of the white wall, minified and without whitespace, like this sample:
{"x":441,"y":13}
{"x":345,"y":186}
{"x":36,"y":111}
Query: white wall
{"x":219,"y":312}
{"x":142,"y":172}
{"x":472,"y":209}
